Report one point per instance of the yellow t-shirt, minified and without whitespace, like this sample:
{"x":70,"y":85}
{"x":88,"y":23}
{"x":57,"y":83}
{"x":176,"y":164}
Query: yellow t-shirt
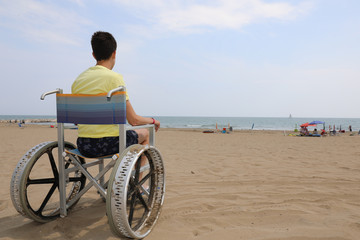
{"x":95,"y":80}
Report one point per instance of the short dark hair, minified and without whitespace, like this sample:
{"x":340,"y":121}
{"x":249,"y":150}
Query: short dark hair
{"x":103,"y":45}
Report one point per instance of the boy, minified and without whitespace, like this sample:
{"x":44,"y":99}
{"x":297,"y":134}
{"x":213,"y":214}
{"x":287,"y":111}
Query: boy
{"x":101,"y":140}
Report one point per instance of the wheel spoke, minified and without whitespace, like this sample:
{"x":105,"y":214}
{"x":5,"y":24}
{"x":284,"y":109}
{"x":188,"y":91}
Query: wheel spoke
{"x":53,"y":164}
{"x":137,"y":170}
{"x":132,"y":206}
{"x":47,"y":198}
{"x":76,"y":179}
{"x":134,"y":193}
{"x":67,"y":165}
{"x":41,"y":181}
{"x":140,"y":197}
{"x":143,"y":180}
{"x":134,"y":182}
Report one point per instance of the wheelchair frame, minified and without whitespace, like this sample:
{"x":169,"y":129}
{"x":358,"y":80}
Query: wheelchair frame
{"x":124,"y":177}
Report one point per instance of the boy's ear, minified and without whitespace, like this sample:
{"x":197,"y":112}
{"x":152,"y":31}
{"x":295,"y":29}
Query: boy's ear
{"x":93,"y":55}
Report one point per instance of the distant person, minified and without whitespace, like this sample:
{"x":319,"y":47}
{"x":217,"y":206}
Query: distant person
{"x":341,"y":130}
{"x":100,"y":140}
{"x":333,"y":131}
{"x":315,"y":131}
{"x":304,"y":131}
{"x":350,"y":128}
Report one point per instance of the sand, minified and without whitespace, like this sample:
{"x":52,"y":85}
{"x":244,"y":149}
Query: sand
{"x":258,"y":185}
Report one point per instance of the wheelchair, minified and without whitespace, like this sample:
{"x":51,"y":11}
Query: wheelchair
{"x":50,"y":178}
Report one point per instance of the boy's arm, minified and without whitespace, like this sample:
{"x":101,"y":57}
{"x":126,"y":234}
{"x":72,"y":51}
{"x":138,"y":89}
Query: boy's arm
{"x":136,"y":120}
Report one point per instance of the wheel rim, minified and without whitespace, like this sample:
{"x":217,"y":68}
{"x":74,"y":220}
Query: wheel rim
{"x":132,"y":211}
{"x":139,"y":198}
{"x":44,"y":210}
{"x":38,"y":188}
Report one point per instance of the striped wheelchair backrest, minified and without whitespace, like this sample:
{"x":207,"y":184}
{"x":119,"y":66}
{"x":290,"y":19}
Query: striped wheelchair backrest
{"x":91,"y":109}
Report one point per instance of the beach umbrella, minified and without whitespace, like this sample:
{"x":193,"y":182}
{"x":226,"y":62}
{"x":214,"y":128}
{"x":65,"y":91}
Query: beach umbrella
{"x":307,"y":125}
{"x":304,"y":124}
{"x":316,"y":122}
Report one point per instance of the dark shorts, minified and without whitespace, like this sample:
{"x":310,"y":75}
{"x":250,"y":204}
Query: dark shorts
{"x":98,"y":147}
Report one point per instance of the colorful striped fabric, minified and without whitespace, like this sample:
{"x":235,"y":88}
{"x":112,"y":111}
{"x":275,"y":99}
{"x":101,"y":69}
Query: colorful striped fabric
{"x":91,"y":109}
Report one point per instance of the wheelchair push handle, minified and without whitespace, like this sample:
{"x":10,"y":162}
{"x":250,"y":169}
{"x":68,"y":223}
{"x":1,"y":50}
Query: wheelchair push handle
{"x":109,"y":95}
{"x":58,"y":90}
{"x":121,"y":88}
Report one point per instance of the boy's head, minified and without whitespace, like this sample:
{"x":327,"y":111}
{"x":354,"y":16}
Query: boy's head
{"x":103,"y":45}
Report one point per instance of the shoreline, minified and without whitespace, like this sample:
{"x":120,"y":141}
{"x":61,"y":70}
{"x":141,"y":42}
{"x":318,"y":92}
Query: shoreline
{"x":172,"y":129}
{"x":29,"y":121}
{"x":240,"y":123}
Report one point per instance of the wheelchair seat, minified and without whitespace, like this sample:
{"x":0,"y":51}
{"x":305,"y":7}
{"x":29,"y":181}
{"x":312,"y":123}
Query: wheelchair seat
{"x":77,"y":153}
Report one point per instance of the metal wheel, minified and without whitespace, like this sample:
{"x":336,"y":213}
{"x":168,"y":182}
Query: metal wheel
{"x":35,"y":182}
{"x":136,"y":192}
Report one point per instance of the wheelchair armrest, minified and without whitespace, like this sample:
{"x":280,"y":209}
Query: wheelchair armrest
{"x":151,"y":128}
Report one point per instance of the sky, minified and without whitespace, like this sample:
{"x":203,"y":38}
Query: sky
{"x":231,"y":58}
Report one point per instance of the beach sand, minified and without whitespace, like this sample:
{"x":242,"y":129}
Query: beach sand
{"x":258,"y":185}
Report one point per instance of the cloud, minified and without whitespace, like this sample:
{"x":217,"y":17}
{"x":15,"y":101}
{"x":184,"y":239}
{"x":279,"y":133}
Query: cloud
{"x":42,"y":21}
{"x":190,"y":17}
{"x":61,"y":22}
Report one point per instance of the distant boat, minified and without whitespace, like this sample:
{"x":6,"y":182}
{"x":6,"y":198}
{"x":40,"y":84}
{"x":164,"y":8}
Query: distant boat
{"x":290,"y":116}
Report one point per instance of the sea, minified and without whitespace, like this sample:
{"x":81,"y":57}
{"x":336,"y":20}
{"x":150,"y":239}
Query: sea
{"x":237,"y":123}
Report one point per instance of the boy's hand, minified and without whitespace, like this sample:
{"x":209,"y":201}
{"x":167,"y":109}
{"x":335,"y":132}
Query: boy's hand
{"x":157,"y":125}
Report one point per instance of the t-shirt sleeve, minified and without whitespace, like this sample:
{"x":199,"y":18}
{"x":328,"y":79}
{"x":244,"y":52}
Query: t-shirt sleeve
{"x":120,"y":82}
